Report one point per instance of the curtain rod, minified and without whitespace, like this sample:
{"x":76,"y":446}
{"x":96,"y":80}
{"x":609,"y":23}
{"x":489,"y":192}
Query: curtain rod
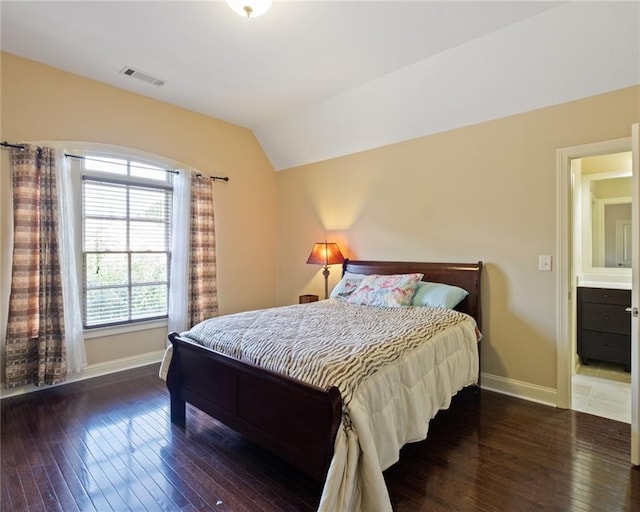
{"x":214,"y":178}
{"x":5,"y":144}
{"x":80,"y":157}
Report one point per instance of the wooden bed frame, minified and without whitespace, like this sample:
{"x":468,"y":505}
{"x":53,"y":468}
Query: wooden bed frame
{"x":288,"y":417}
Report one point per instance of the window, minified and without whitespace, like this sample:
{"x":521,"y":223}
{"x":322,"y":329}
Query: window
{"x":126,"y":240}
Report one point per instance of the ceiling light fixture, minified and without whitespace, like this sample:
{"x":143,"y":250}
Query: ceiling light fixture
{"x":250,"y":8}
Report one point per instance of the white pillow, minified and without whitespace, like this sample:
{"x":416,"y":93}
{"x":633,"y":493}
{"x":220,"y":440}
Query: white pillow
{"x":438,"y":295}
{"x":346,"y":285}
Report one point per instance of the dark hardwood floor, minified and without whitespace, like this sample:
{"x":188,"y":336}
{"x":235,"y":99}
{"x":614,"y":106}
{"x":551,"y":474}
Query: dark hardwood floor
{"x":107,"y":444}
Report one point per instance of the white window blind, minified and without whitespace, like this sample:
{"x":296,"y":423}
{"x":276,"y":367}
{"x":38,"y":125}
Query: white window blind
{"x":126,"y":247}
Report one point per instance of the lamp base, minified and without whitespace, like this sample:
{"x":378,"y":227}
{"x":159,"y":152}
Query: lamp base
{"x":325,"y":273}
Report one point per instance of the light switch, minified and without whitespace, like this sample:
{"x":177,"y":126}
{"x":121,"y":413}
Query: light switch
{"x":544,"y":263}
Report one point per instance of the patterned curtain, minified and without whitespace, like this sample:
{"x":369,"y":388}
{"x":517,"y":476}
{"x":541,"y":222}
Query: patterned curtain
{"x":203,"y":292}
{"x":35,"y":349}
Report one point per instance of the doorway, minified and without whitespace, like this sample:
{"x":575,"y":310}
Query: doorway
{"x":583,"y":173}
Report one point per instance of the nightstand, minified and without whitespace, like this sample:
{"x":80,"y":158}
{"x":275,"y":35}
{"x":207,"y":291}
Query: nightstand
{"x":305,"y":299}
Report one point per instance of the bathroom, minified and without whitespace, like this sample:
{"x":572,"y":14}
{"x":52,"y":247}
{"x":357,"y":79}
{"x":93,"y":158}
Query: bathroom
{"x":601,"y":277}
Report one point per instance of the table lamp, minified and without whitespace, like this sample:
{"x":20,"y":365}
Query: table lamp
{"x":325,"y":254}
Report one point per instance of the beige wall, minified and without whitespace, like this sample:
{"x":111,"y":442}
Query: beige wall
{"x":611,"y":187}
{"x":43,"y":103}
{"x":606,"y":163}
{"x":484,"y":192}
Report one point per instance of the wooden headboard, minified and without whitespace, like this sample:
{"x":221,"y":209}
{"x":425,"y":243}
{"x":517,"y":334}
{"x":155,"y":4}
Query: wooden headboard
{"x":464,"y":275}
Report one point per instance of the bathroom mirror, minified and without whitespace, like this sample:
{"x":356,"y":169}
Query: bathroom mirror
{"x":603,"y":216}
{"x":611,"y":222}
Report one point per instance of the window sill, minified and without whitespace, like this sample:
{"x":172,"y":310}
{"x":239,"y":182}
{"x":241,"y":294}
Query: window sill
{"x":101,"y":332}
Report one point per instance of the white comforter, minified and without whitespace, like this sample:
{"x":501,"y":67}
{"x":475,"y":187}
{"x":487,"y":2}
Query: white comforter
{"x":409,"y":363}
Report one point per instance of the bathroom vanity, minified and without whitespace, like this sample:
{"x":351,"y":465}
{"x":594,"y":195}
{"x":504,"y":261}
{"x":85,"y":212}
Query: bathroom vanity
{"x":604,"y":325}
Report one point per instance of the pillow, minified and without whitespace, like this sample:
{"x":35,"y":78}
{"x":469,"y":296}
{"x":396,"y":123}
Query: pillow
{"x":346,"y":285}
{"x":438,"y":295}
{"x":391,"y":291}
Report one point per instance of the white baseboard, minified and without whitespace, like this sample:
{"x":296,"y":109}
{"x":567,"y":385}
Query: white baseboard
{"x":515,"y":388}
{"x":519,"y":389}
{"x":92,"y":371}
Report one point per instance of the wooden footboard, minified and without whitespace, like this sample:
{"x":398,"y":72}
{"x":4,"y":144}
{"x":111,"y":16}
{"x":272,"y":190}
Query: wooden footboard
{"x":290,"y":418}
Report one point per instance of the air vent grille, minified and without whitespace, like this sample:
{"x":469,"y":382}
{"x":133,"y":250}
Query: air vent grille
{"x":142,"y":76}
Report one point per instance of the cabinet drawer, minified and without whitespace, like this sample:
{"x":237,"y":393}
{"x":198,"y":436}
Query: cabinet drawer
{"x":605,"y":347}
{"x":605,"y":296}
{"x":605,"y":318}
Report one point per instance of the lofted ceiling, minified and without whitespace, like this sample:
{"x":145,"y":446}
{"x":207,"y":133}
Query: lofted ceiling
{"x":320,"y":79}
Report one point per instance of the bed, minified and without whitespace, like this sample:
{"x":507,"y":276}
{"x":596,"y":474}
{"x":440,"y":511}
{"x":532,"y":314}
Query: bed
{"x":302,"y":423}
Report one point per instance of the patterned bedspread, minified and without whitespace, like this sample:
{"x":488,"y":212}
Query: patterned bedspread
{"x":323,"y":343}
{"x":418,"y":356}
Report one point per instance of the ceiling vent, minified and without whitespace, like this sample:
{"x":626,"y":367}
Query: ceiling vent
{"x":141,"y":76}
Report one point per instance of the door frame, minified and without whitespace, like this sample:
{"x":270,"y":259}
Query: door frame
{"x":635,"y":297}
{"x":565,"y":337}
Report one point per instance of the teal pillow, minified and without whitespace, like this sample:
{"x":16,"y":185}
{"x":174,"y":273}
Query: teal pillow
{"x":438,"y":295}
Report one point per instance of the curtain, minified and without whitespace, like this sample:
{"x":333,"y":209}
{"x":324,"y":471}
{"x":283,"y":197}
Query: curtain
{"x":35,"y":348}
{"x":178,"y":320}
{"x":203,"y":296}
{"x":74,"y":337}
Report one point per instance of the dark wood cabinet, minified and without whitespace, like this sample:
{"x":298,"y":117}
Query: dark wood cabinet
{"x":305,"y":299}
{"x":604,"y":326}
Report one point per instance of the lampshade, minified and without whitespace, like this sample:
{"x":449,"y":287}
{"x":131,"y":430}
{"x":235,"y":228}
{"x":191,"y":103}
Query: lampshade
{"x":324,"y":253}
{"x":250,"y":8}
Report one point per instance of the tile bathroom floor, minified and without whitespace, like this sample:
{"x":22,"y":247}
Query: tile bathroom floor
{"x":602,"y":389}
